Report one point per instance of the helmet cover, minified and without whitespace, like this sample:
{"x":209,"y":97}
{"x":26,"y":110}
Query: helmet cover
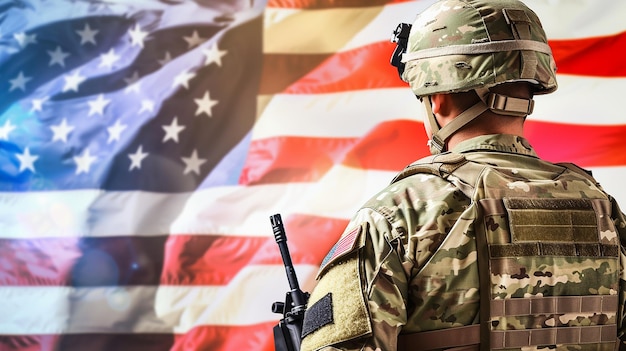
{"x":462,"y":45}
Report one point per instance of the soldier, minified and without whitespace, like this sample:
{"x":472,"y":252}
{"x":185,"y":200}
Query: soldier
{"x":482,"y":245}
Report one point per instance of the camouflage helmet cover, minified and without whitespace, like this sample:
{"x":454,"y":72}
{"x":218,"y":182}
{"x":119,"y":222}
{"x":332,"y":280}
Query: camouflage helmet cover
{"x":462,"y":45}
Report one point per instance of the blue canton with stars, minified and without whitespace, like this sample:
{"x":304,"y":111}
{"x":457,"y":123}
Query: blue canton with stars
{"x":116,"y":97}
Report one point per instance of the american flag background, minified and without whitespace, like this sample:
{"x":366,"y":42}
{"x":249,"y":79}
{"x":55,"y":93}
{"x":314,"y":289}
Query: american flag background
{"x":144,"y":145}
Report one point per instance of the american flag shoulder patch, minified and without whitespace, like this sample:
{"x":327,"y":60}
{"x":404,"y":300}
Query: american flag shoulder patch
{"x":349,"y":241}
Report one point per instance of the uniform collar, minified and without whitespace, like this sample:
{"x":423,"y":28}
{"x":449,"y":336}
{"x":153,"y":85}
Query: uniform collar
{"x":497,"y":142}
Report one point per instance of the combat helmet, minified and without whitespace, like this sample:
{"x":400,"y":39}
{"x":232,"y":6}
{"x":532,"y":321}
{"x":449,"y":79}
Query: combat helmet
{"x":463,"y":45}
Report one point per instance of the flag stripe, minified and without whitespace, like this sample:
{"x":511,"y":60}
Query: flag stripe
{"x":256,"y":337}
{"x":342,"y":24}
{"x":338,"y":20}
{"x":36,"y":310}
{"x":322,"y":4}
{"x":389,"y":146}
{"x":212,"y":211}
{"x":88,"y":341}
{"x":318,"y":112}
{"x":190,"y":260}
{"x":591,"y":56}
{"x":367,"y":67}
{"x":393,"y":145}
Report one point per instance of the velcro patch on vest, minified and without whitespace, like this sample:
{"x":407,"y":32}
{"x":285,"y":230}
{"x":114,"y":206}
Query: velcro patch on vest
{"x":319,"y":315}
{"x":347,"y":243}
{"x":552,"y":220}
{"x":338,"y":308}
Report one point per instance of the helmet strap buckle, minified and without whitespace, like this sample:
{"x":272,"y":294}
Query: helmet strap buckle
{"x":509,"y":106}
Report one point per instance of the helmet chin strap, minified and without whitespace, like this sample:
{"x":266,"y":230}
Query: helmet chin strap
{"x":500,"y":104}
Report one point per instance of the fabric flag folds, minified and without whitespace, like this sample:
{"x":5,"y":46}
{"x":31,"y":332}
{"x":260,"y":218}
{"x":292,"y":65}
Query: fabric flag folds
{"x":145,"y":144}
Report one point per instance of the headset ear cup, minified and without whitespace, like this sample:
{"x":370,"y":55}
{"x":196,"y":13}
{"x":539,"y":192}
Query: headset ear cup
{"x":401,"y":38}
{"x":396,"y":60}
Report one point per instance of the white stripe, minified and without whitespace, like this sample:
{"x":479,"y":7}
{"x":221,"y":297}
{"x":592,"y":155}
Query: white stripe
{"x":87,"y":213}
{"x":340,"y":115}
{"x":246,"y":300}
{"x":576,"y":19}
{"x":582,"y":100}
{"x":612,"y":181}
{"x":246,"y":210}
{"x":567,"y":19}
{"x":233,"y":210}
{"x":355,"y":113}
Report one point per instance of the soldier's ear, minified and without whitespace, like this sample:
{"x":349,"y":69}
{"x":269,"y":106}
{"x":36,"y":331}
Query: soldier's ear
{"x":441,"y":105}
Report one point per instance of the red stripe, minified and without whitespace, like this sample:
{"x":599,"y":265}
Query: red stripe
{"x":284,"y":159}
{"x":188,"y":259}
{"x":91,"y":342}
{"x":214,"y":260}
{"x":600,"y":56}
{"x":106,"y":261}
{"x":585,"y":145}
{"x":368,"y":67}
{"x":257,"y":337}
{"x":388,"y":146}
{"x":362,"y":68}
{"x":392,"y":145}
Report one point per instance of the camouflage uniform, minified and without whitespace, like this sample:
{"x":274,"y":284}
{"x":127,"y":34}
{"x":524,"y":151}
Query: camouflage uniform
{"x":407,"y":261}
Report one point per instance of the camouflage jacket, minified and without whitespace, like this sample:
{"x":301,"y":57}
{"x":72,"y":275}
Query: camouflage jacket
{"x":403,"y":265}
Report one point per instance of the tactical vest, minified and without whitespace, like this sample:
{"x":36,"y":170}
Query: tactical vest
{"x":548,"y":257}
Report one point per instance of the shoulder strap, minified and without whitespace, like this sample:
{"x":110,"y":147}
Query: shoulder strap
{"x":578,"y":170}
{"x":440,"y":165}
{"x":465,"y":173}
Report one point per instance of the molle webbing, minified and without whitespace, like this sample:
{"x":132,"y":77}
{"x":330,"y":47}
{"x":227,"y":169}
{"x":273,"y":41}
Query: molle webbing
{"x":470,"y":335}
{"x":518,"y":241}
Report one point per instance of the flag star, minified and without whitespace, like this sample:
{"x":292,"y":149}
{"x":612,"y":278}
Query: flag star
{"x":38,"y":104}
{"x":137,"y":36}
{"x":183,"y":79}
{"x":172,"y":131}
{"x":19,"y":82}
{"x":6,"y":129}
{"x":61,"y":131}
{"x":57,"y":57}
{"x":115,"y":131}
{"x":27,"y":160}
{"x":213,"y":55}
{"x":205,"y":104}
{"x":98,"y":105}
{"x":193,"y":163}
{"x":87,"y":35}
{"x":136,"y":158}
{"x":24,"y":39}
{"x":146,"y":105}
{"x":83,"y":163}
{"x":73,"y":81}
{"x":194,"y":39}
{"x":109,"y":59}
{"x":132,"y":83}
{"x":166,"y":59}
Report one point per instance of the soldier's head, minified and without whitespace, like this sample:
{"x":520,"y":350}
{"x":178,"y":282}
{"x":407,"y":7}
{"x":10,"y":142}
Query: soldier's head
{"x":491,"y":55}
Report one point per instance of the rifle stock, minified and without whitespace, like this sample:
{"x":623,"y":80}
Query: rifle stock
{"x":288,"y":331}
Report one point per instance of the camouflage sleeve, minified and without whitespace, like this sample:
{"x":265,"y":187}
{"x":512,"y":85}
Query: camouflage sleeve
{"x":361,"y":299}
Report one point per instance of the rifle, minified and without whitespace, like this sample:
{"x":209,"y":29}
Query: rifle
{"x":288,"y":331}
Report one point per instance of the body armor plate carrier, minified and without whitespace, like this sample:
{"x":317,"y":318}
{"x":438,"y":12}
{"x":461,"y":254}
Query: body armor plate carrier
{"x":548,"y":258}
